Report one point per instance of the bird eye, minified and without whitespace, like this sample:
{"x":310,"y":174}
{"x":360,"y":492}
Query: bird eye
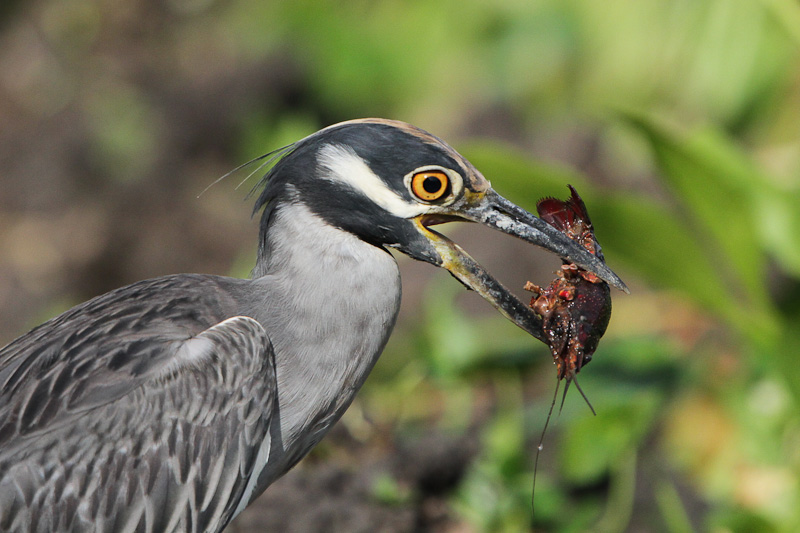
{"x":430,"y":185}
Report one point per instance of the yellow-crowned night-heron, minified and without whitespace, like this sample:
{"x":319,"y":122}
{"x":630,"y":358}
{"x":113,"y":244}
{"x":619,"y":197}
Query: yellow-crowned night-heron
{"x":170,"y":404}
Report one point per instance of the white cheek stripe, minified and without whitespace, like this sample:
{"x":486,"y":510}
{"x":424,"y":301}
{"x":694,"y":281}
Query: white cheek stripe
{"x":344,"y":165}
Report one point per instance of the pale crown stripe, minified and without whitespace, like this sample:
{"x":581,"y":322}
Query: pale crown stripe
{"x":343,"y":165}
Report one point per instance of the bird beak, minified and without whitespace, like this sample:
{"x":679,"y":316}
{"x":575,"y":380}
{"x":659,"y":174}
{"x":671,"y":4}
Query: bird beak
{"x":491,"y":209}
{"x":494,"y":211}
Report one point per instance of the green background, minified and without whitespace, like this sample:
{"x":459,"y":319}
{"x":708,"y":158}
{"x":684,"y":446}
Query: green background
{"x":678,"y":122}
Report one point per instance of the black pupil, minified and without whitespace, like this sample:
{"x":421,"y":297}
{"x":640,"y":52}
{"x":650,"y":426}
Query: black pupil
{"x":432,"y":184}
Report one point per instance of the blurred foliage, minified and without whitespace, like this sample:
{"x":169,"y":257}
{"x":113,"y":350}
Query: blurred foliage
{"x":678,"y":123}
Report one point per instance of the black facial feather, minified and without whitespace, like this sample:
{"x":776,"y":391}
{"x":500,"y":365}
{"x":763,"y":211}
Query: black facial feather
{"x":391,"y":153}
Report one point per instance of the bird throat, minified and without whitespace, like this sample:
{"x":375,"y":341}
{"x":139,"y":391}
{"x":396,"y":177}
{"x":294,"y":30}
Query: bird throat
{"x":335,"y":299}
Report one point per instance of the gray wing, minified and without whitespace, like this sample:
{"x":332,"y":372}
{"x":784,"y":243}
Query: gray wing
{"x":119,"y":417}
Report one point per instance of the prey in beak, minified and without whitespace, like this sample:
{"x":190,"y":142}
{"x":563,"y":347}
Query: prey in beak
{"x":492,"y":210}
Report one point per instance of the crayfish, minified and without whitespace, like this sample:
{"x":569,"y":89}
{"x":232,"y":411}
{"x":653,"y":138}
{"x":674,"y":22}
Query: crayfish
{"x":576,"y":307}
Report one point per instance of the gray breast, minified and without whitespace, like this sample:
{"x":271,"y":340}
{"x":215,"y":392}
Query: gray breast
{"x":329,"y":302}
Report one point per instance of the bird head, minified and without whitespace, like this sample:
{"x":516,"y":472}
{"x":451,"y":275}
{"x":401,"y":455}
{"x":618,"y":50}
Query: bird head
{"x":388,"y":183}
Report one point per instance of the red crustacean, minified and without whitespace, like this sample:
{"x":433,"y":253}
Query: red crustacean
{"x":576,"y":307}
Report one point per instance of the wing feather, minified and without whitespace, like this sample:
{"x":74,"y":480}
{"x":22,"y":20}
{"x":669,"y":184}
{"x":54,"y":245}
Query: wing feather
{"x":155,"y":425}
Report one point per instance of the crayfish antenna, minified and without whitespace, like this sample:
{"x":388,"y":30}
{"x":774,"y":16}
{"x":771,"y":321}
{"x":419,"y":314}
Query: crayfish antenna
{"x":585,"y":399}
{"x":540,"y":447}
{"x":564,"y":395}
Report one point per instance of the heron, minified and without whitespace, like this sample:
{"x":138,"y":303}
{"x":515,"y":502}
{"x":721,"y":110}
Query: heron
{"x":172,"y":403}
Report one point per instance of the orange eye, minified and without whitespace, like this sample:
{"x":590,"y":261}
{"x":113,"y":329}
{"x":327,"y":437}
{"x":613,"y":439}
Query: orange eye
{"x":430,"y":185}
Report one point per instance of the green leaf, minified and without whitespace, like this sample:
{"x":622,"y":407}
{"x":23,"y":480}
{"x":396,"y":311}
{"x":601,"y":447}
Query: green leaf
{"x":594,"y":444}
{"x":738,"y":212}
{"x":717,"y":186}
{"x":519,"y":177}
{"x":644,"y":234}
{"x":778,"y":214}
{"x":786,"y":13}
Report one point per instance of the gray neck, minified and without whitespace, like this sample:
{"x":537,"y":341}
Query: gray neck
{"x":329,"y":303}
